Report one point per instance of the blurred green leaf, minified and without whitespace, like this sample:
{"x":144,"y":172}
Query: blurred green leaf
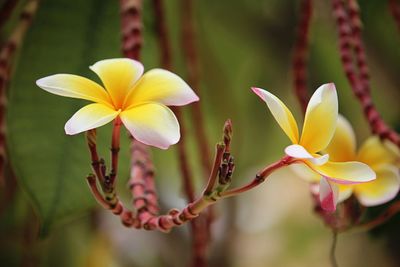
{"x":66,"y":37}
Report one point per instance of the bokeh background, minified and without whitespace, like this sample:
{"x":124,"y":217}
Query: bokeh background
{"x":48,"y":217}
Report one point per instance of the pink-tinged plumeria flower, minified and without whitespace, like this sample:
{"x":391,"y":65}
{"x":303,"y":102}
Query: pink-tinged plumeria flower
{"x":318,"y":129}
{"x":140,"y":100}
{"x":383,"y":158}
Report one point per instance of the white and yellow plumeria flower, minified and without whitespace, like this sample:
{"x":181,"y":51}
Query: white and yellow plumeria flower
{"x":318,"y":129}
{"x":379,"y":156}
{"x":140,"y":100}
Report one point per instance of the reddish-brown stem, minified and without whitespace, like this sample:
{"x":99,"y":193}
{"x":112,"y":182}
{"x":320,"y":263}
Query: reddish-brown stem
{"x":96,"y":162}
{"x":197,"y":226}
{"x":7,"y":53}
{"x":192,"y":210}
{"x":142,"y":173}
{"x":300,"y":57}
{"x":144,"y":198}
{"x":219,"y":152}
{"x":259,"y":178}
{"x":348,"y":31}
{"x":358,"y":46}
{"x":162,"y":35}
{"x":6,"y":10}
{"x":141,"y":183}
{"x":392,"y":210}
{"x":115,"y":150}
{"x":186,"y":173}
{"x":131,"y":26}
{"x":111,"y":200}
{"x":192,"y":65}
{"x":91,"y":179}
{"x":166,"y":62}
{"x":394,"y":7}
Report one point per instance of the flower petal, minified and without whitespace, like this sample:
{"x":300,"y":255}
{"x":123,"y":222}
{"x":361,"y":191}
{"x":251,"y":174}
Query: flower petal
{"x":350,"y":172}
{"x":345,"y":191}
{"x":320,"y":119}
{"x":152,"y":124}
{"x":375,"y":153}
{"x":118,"y":76}
{"x":383,"y":189}
{"x":74,"y":86}
{"x":89,"y":117}
{"x":328,"y":195}
{"x":302,"y":171}
{"x":281,"y":114}
{"x":343,"y":144}
{"x":158,"y":85}
{"x":299,"y":152}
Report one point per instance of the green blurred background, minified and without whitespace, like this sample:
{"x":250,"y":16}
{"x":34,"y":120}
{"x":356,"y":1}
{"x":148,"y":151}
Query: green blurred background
{"x":50,"y":219}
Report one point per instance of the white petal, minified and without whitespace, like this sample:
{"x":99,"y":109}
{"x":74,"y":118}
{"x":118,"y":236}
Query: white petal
{"x":383,"y":189}
{"x":343,"y":144}
{"x":74,"y":86}
{"x":299,"y":152}
{"x":162,"y":86}
{"x":118,"y":76}
{"x":90,"y":117}
{"x":281,"y":114}
{"x":152,"y":124}
{"x":328,"y":195}
{"x":320,"y":119}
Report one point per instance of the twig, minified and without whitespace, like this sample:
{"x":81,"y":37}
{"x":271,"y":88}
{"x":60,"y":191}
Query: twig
{"x":188,"y":44}
{"x":333,"y":249}
{"x":192,"y":65}
{"x":162,"y":35}
{"x":7,"y":53}
{"x":259,"y":178}
{"x":392,"y":210}
{"x":301,"y":54}
{"x":394,"y":7}
{"x":6,"y":10}
{"x":349,"y":30}
{"x":110,"y":200}
{"x":197,"y":226}
{"x":115,"y":150}
{"x":97,"y":164}
{"x":141,"y":184}
{"x":359,"y":50}
{"x":131,"y":25}
{"x":147,"y":218}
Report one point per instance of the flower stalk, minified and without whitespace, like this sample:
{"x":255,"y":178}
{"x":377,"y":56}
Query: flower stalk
{"x":7,"y":53}
{"x":6,"y":10}
{"x":143,"y":188}
{"x":349,"y":34}
{"x":199,"y":226}
{"x":300,"y":57}
{"x":394,"y":8}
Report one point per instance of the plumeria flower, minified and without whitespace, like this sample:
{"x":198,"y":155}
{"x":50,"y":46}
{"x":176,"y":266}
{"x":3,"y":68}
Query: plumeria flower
{"x":318,"y":129}
{"x":381,"y":157}
{"x":139,"y":100}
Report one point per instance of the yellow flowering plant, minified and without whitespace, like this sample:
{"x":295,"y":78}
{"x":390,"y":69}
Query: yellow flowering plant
{"x":318,"y":129}
{"x":383,"y":158}
{"x":139,"y":100}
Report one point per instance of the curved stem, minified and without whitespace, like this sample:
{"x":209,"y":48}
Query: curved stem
{"x":349,"y":32}
{"x":115,"y":141}
{"x":259,"y":178}
{"x":392,"y":210}
{"x":301,"y":54}
{"x":333,"y":249}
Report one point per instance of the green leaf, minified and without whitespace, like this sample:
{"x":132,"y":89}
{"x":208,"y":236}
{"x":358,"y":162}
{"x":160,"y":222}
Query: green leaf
{"x":66,"y":37}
